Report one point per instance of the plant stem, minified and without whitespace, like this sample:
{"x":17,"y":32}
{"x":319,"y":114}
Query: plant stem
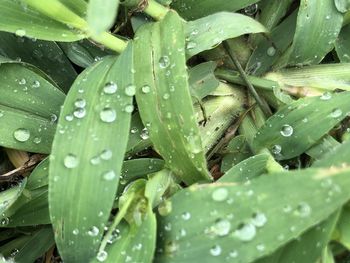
{"x":263,"y":105}
{"x":155,"y":10}
{"x":110,"y":41}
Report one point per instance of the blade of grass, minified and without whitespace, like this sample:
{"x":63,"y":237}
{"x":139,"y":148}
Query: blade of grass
{"x":87,"y":156}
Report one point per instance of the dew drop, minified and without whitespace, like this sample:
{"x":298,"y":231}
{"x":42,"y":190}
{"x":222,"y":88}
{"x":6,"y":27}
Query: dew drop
{"x":259,"y":219}
{"x":109,"y":176}
{"x":93,"y":231}
{"x":69,"y":117}
{"x":144,"y":134}
{"x":165,"y":208}
{"x":303,"y":209}
{"x":251,"y":9}
{"x":276,"y":149}
{"x":110,"y":88}
{"x":215,"y":251}
{"x":108,"y":115}
{"x":130,"y":90}
{"x":101,"y":256}
{"x":79,"y":113}
{"x":75,"y":231}
{"x":20,"y":32}
{"x":22,"y":81}
{"x":336,"y":113}
{"x":287,"y":130}
{"x":326,"y":96}
{"x":222,"y":227}
{"x":164,"y":62}
{"x":186,"y":216}
{"x":80,"y":103}
{"x":260,"y":247}
{"x":171,"y":247}
{"x":246,"y":232}
{"x":70,"y":161}
{"x":37,"y":140}
{"x":21,"y":135}
{"x":271,"y":51}
{"x":233,"y":254}
{"x":106,"y":155}
{"x":220,"y":194}
{"x":4,"y":221}
{"x":36,"y":84}
{"x":129,"y":108}
{"x":146,"y":89}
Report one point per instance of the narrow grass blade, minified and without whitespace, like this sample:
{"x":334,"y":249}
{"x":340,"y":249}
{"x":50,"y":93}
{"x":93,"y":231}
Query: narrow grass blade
{"x":87,"y":154}
{"x":38,"y":243}
{"x":29,"y":126}
{"x":313,"y":79}
{"x":343,"y":229}
{"x":139,"y":136}
{"x":164,"y":100}
{"x":269,"y":50}
{"x":207,"y":32}
{"x":236,"y":151}
{"x":291,"y":131}
{"x":337,"y":156}
{"x":100,"y":16}
{"x":22,"y":20}
{"x":45,"y":55}
{"x":323,"y":147}
{"x":342,"y":45}
{"x":77,"y":6}
{"x":247,"y":169}
{"x":8,"y":197}
{"x":202,"y":79}
{"x":192,"y":9}
{"x":321,"y":22}
{"x":247,"y":222}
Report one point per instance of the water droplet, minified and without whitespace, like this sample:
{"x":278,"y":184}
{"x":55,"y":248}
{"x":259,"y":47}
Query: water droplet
{"x":129,"y":108}
{"x":251,"y":9}
{"x":303,"y":209}
{"x":222,"y":227}
{"x":108,"y":115}
{"x":220,"y":194}
{"x":336,"y":113}
{"x":130,"y":90}
{"x":171,"y":247}
{"x":70,"y":161}
{"x":260,"y":247}
{"x":20,"y":32}
{"x":215,"y":251}
{"x":276,"y":149}
{"x":101,"y":256}
{"x":106,"y":155}
{"x":326,"y":96}
{"x":110,"y":175}
{"x":233,"y":254}
{"x":4,"y":221}
{"x":191,"y":45}
{"x":110,"y":88}
{"x":259,"y":219}
{"x":75,"y":231}
{"x":93,"y":231}
{"x":164,"y":62}
{"x":21,"y":135}
{"x":271,"y":51}
{"x":37,"y":140}
{"x":79,"y":113}
{"x":69,"y":117}
{"x":186,"y":216}
{"x":22,"y":81}
{"x":166,"y":96}
{"x":146,"y":89}
{"x":114,"y":236}
{"x":80,"y":103}
{"x":246,"y":232}
{"x":144,"y":134}
{"x":165,"y":208}
{"x":36,"y":84}
{"x":287,"y":130}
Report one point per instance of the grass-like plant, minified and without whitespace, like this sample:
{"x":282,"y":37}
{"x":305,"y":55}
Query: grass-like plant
{"x":175,"y":131}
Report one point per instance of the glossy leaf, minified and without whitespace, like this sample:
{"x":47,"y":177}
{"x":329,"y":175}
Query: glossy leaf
{"x":313,"y":15}
{"x":165,"y":108}
{"x":17,"y":18}
{"x":45,"y":55}
{"x":207,"y":32}
{"x":86,"y":155}
{"x":342,"y":45}
{"x":291,"y":131}
{"x":249,"y":221}
{"x":192,"y":9}
{"x":29,"y":105}
{"x":100,"y":16}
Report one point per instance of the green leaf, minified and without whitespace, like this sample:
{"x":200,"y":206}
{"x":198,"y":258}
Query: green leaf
{"x":246,"y":222}
{"x":25,"y":21}
{"x":45,"y":55}
{"x":207,"y":32}
{"x":164,"y":99}
{"x":139,"y":136}
{"x":337,"y":156}
{"x":202,"y":79}
{"x":343,"y":228}
{"x":38,"y":243}
{"x":8,"y":197}
{"x":321,"y":22}
{"x":291,"y":131}
{"x":342,"y":45}
{"x":29,"y":105}
{"x":193,"y":9}
{"x":87,"y":156}
{"x":247,"y":169}
{"x":100,"y":16}
{"x":313,"y":79}
{"x":342,"y":5}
